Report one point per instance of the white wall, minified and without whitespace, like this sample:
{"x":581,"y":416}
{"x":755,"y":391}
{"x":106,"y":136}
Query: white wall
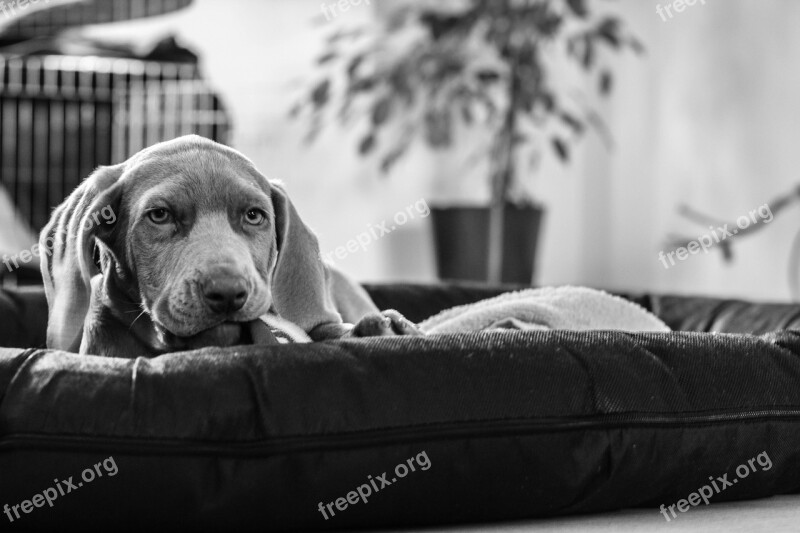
{"x":708,"y":118}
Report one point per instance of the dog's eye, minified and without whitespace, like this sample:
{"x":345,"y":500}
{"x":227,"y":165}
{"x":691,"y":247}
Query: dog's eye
{"x":159,"y":216}
{"x":255,"y":217}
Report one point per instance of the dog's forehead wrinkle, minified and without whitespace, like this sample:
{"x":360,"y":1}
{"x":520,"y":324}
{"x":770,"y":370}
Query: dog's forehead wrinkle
{"x":229,"y":194}
{"x":195,"y":177}
{"x":169,"y":191}
{"x":156,"y":166}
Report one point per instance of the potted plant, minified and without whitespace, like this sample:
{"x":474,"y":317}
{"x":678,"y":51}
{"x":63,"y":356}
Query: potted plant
{"x":432,"y":69}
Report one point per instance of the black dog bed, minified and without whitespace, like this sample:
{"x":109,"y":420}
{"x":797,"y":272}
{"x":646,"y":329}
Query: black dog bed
{"x":366,"y":433}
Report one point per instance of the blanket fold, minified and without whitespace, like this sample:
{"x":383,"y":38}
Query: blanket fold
{"x":282,"y":331}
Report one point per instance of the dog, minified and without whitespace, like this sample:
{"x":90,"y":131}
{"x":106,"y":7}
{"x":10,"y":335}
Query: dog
{"x":201,"y":245}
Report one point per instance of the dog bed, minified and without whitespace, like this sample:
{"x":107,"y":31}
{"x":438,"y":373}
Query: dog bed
{"x":396,"y":432}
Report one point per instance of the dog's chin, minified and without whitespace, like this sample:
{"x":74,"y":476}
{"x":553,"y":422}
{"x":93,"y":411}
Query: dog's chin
{"x":224,"y":335}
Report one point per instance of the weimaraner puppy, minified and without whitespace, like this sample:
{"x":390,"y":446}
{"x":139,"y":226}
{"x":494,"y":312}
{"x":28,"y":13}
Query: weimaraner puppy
{"x":201,"y":246}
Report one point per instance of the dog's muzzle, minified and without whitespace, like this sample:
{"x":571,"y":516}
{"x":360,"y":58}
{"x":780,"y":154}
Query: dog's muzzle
{"x":224,"y":290}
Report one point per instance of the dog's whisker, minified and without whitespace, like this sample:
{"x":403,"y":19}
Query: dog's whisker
{"x":135,"y":319}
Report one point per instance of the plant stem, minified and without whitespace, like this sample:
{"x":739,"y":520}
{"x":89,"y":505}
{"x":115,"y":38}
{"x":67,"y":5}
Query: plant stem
{"x":503,"y":161}
{"x":502,"y":169}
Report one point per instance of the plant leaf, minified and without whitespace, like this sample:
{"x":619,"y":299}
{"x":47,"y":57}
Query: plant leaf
{"x":295,"y":110}
{"x":588,"y":53}
{"x":321,"y":93}
{"x":518,"y":139}
{"x":561,"y":149}
{"x":438,"y":128}
{"x":362,"y":84}
{"x":637,"y":46}
{"x":381,"y":111}
{"x":606,"y":83}
{"x":487,"y":76}
{"x":547,"y":99}
{"x":609,"y":31}
{"x":466,"y":113}
{"x":353,"y":65}
{"x":574,"y":123}
{"x":392,"y":157}
{"x":578,"y":7}
{"x":326,"y":58}
{"x":367,"y":144}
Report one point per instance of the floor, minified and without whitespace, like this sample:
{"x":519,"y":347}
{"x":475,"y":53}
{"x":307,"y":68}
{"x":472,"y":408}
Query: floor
{"x":775,"y":515}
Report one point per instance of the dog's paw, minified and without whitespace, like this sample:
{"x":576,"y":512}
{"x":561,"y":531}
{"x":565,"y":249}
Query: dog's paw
{"x":387,"y":323}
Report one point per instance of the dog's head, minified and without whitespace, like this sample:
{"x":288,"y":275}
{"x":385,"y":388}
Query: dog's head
{"x":193,"y":235}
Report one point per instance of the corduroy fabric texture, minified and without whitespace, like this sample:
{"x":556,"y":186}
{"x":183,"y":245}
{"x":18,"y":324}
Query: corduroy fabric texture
{"x":515,"y":424}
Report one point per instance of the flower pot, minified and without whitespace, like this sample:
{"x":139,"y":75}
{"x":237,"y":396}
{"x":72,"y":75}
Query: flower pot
{"x":461,"y":235}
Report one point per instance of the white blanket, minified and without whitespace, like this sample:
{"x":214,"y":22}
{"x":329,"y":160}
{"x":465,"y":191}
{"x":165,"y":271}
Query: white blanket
{"x":574,"y":308}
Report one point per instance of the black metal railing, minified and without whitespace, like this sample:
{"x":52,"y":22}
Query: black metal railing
{"x":62,"y":116}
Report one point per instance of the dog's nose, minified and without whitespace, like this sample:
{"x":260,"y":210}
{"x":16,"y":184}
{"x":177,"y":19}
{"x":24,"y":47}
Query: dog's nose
{"x":225,"y":292}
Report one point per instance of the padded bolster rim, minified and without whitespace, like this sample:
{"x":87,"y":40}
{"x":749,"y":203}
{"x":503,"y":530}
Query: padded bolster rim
{"x":352,"y":389}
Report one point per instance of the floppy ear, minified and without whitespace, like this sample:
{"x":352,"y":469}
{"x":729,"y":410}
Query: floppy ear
{"x":67,"y":251}
{"x":299,"y":281}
